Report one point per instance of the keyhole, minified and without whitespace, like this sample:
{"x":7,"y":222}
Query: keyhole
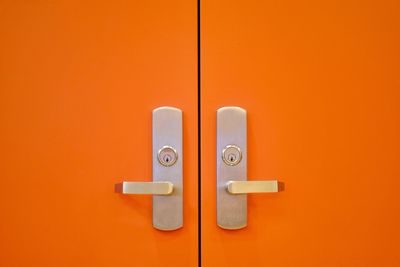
{"x":231,"y":155}
{"x":167,"y":158}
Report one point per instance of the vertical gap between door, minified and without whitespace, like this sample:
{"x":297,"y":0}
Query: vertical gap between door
{"x":199,"y":130}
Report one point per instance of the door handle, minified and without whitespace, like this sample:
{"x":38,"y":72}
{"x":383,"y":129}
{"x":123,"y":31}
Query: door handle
{"x":144,"y":188}
{"x":245,"y":187}
{"x":232,"y":184}
{"x":167,"y":185}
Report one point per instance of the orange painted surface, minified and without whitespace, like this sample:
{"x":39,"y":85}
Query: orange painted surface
{"x":321,"y":83}
{"x":78,"y":82}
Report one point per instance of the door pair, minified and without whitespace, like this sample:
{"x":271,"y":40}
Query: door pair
{"x":167,"y":163}
{"x":320,"y":82}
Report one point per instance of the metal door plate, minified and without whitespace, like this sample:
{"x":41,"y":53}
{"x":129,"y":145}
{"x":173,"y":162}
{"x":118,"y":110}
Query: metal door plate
{"x":167,"y":132}
{"x":231,"y":133}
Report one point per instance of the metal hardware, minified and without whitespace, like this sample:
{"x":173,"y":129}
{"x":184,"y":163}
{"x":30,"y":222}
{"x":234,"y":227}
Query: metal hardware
{"x":231,"y":155}
{"x":167,"y":156}
{"x":232,"y":184}
{"x":142,"y":188}
{"x":244,"y":187}
{"x":167,"y":185}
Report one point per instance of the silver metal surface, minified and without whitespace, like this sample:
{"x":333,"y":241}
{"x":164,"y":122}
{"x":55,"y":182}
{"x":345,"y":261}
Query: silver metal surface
{"x":244,"y":187}
{"x":167,"y":156}
{"x":232,"y":184}
{"x":231,"y":155}
{"x":167,"y":132}
{"x":231,"y":130}
{"x":141,"y":188}
{"x":167,"y":185}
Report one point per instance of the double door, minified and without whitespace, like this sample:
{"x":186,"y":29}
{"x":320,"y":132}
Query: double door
{"x":320,"y":85}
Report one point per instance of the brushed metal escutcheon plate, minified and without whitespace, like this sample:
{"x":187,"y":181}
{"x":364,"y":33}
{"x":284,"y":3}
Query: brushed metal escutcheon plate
{"x":167,"y":185}
{"x":231,"y":132}
{"x":232,"y":184}
{"x":167,"y":132}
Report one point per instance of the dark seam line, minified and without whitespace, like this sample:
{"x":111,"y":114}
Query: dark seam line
{"x":199,"y":130}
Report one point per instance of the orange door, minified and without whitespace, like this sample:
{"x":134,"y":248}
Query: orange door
{"x":320,"y":83}
{"x":78,"y":81}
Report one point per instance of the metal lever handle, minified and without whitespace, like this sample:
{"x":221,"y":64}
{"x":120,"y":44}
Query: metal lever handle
{"x":244,"y":187}
{"x":166,"y":186}
{"x":144,"y":188}
{"x":232,"y":183}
